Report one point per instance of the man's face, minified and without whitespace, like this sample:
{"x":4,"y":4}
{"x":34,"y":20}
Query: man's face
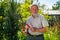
{"x":34,"y":10}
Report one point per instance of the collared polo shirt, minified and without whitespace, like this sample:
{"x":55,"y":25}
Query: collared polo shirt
{"x":38,"y":22}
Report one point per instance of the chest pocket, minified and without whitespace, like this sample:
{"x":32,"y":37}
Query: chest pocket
{"x":37,"y":23}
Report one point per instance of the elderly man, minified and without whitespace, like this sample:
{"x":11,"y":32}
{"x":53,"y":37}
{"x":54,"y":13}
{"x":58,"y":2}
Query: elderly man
{"x":36,"y":25}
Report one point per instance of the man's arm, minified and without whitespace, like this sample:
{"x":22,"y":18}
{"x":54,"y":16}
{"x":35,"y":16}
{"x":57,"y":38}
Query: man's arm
{"x":44,"y":29}
{"x":44,"y":23}
{"x":26,"y":31}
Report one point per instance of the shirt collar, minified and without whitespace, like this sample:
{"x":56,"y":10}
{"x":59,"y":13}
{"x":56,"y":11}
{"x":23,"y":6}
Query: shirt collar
{"x":36,"y":15}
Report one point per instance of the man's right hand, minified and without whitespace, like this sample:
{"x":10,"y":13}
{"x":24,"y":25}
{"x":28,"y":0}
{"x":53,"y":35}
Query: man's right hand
{"x":25,"y":33}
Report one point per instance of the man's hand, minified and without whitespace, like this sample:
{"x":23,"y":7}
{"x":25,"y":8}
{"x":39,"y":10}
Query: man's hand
{"x":32,"y":29}
{"x":25,"y":33}
{"x":44,"y":29}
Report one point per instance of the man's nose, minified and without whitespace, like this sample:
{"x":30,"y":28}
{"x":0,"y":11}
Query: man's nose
{"x":34,"y":9}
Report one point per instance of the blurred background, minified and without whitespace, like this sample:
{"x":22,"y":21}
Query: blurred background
{"x":14,"y":13}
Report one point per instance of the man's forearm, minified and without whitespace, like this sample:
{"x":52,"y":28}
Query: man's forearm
{"x":42,"y":29}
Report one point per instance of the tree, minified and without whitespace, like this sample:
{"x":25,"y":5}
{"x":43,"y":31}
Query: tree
{"x":56,"y":6}
{"x":11,"y":20}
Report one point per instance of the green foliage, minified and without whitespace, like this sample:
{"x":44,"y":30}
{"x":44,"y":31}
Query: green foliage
{"x":56,"y":6}
{"x":25,"y":9}
{"x":10,"y":22}
{"x":11,"y":16}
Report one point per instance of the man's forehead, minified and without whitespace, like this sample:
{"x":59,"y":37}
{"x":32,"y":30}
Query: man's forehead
{"x":33,"y":6}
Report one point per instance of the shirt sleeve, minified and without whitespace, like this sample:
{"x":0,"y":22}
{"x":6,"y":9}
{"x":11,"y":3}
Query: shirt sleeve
{"x":44,"y":22}
{"x":28,"y":24}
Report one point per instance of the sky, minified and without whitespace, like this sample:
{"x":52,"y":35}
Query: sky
{"x":48,"y":3}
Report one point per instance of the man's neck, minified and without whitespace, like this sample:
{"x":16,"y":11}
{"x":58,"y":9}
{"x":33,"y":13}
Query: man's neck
{"x":34,"y":16}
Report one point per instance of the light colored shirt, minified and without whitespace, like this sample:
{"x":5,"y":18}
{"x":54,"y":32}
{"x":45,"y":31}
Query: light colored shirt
{"x":38,"y":22}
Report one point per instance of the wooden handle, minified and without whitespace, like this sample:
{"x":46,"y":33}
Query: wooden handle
{"x":23,"y":28}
